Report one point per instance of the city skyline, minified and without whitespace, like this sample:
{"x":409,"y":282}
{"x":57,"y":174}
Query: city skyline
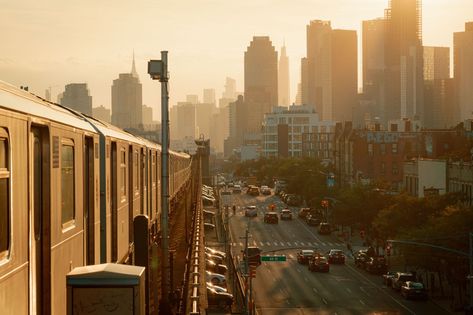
{"x":96,"y":50}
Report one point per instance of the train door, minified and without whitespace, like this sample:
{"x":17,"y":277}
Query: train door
{"x":114,"y":200}
{"x":40,"y":221}
{"x":132,"y":180}
{"x":89,"y":202}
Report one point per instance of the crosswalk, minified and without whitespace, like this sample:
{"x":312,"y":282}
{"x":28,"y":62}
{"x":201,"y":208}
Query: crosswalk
{"x":287,"y":244}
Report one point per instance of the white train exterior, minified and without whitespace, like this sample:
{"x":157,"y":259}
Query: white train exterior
{"x":70,"y":187}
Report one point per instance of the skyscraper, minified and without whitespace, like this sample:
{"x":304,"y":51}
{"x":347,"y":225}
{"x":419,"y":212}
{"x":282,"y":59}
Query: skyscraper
{"x":374,"y":65}
{"x":76,"y":96}
{"x":463,"y":70}
{"x":344,"y":76}
{"x":436,"y":63}
{"x":127,"y":100}
{"x":440,"y":109}
{"x":330,"y":71}
{"x":209,"y":96}
{"x":318,"y":66}
{"x":304,"y":82}
{"x":101,"y":113}
{"x":230,"y":89}
{"x":283,"y":79}
{"x":261,"y":80}
{"x":403,"y":60}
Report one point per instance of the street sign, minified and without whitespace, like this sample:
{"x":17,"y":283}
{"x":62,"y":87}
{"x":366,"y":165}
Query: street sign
{"x":274,"y":258}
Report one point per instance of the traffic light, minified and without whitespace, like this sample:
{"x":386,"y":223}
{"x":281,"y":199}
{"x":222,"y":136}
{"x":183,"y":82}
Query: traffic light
{"x":362,"y":234}
{"x":388,"y":250}
{"x":252,"y":268}
{"x":324,"y":203}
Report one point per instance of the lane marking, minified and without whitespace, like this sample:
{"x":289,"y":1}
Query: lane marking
{"x":325,"y":301}
{"x":362,"y":302}
{"x":315,"y":290}
{"x":348,"y":289}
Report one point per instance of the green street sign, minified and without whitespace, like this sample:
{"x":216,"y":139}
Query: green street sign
{"x":273,"y":258}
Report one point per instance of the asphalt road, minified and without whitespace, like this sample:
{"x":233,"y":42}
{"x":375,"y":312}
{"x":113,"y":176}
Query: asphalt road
{"x":290,"y":288}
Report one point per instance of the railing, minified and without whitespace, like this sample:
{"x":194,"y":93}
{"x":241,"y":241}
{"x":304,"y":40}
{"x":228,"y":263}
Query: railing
{"x":197,"y":242}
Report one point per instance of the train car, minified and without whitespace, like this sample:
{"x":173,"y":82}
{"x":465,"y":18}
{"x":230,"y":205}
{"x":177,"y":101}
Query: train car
{"x":70,"y":187}
{"x":46,"y":152}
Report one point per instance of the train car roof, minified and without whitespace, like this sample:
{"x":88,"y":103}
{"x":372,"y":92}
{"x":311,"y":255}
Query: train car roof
{"x":21,"y":101}
{"x":110,"y":130}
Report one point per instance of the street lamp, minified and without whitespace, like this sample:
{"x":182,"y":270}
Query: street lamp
{"x":158,"y":70}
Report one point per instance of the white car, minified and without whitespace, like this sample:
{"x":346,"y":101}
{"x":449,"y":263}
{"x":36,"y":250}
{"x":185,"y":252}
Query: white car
{"x":216,"y":278}
{"x":216,"y":287}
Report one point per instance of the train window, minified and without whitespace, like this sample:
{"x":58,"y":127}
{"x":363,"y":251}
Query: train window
{"x":4,"y":195}
{"x":67,"y":184}
{"x":153,"y":169}
{"x":123,"y":173}
{"x":135,"y":170}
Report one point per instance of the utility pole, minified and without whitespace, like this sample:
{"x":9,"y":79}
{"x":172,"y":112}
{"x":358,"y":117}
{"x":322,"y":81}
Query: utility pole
{"x":470,"y":255}
{"x":158,"y":70}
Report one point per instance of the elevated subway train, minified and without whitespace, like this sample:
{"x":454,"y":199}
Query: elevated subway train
{"x":70,"y":187}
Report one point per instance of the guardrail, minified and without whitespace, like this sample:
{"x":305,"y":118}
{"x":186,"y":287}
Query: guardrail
{"x":197,"y":247}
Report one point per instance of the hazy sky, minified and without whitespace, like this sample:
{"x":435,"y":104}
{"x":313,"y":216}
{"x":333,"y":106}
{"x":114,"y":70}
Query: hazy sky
{"x":51,"y":43}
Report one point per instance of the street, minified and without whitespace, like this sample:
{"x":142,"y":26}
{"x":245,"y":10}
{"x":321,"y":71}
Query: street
{"x":290,"y":288}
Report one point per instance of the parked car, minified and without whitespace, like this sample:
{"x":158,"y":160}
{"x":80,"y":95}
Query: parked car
{"x":304,"y":255}
{"x":213,"y":251}
{"x":303,"y":212}
{"x":400,"y":278}
{"x":214,"y":267}
{"x":216,"y":258}
{"x":336,"y":256}
{"x":216,"y":287}
{"x":376,"y":265}
{"x":319,"y":263}
{"x":312,"y":220}
{"x":251,"y":211}
{"x":216,"y":278}
{"x":324,"y":228}
{"x":388,"y":278}
{"x":413,"y":290}
{"x":222,"y":300}
{"x":254,"y":254}
{"x":286,"y":214}
{"x":208,"y":201}
{"x":271,"y":217}
{"x":209,"y":226}
{"x":208,"y":214}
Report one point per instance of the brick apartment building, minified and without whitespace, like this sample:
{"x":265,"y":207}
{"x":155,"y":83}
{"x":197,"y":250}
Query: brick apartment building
{"x":370,"y":156}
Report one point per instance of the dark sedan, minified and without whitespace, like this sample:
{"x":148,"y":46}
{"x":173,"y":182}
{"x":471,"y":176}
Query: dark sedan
{"x":312,"y":220}
{"x":376,"y":265}
{"x":304,"y":255}
{"x":413,"y":290}
{"x":319,"y":263}
{"x":336,"y":256}
{"x":222,"y":300}
{"x":388,"y":278}
{"x":361,"y":257}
